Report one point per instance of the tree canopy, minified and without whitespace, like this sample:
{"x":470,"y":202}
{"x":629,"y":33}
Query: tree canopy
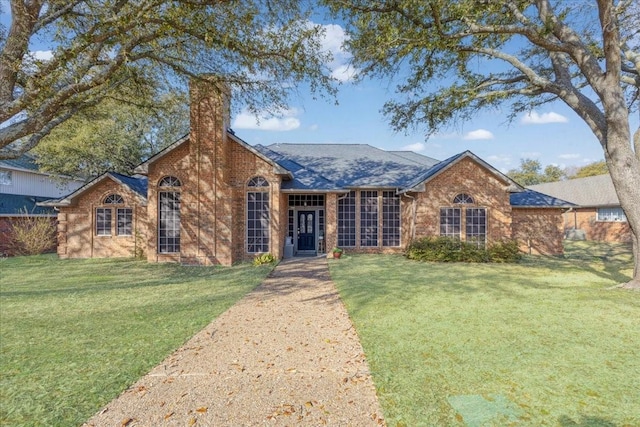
{"x":116,"y":135}
{"x":262,"y":48}
{"x":455,"y":57}
{"x":530,"y":173}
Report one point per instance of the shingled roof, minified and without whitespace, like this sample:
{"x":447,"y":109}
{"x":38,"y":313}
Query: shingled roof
{"x":591,"y":191}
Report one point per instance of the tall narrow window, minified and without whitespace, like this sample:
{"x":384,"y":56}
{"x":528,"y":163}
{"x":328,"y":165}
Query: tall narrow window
{"x":103,"y":221}
{"x":450,"y":222}
{"x":258,"y":215}
{"x":476,"y":226}
{"x":368,"y":218}
{"x":124,"y":221}
{"x":169,"y":216}
{"x":347,"y":220}
{"x":390,"y":219}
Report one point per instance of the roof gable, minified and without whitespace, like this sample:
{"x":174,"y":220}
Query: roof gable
{"x":448,"y":163}
{"x":137,"y":184}
{"x":533,"y":199}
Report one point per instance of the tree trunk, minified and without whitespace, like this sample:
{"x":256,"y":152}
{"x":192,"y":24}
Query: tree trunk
{"x":624,"y":168}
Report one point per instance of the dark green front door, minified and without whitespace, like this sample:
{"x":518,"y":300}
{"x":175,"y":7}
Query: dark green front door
{"x":306,"y":230}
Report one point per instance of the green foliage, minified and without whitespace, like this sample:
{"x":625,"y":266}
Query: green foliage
{"x":263,"y":259}
{"x":546,"y":334}
{"x":592,"y":169}
{"x":32,"y":235}
{"x":446,"y":249}
{"x":115,"y":135}
{"x":76,"y":333}
{"x":529,"y":173}
{"x":263,"y":48}
{"x":337,"y":250}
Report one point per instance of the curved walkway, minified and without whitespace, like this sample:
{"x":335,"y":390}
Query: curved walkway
{"x":287,"y":354}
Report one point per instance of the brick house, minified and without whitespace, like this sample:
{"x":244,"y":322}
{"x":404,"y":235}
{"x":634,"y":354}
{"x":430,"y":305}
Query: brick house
{"x":597,"y":214}
{"x":211,"y":198}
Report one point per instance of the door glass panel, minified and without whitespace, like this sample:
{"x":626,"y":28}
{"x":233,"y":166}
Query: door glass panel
{"x":310,"y":223}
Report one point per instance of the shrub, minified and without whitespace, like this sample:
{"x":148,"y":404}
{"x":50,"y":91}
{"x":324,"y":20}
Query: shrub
{"x":263,"y":259}
{"x":445,"y":249}
{"x":32,"y":235}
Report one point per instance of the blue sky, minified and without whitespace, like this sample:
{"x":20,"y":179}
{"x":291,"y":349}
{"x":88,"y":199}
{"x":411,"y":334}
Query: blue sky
{"x":552,"y":134}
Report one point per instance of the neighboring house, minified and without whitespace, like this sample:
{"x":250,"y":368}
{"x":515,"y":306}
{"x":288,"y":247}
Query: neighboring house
{"x":22,"y":186}
{"x":211,"y":198}
{"x":597,"y":215}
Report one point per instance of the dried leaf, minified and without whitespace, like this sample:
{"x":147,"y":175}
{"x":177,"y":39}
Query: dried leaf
{"x":169,"y":415}
{"x":202,"y":409}
{"x":192,"y":421}
{"x":126,"y":422}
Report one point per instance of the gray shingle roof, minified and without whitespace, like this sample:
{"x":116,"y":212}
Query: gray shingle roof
{"x":591,"y":191}
{"x":14,"y":204}
{"x":530,"y":199}
{"x":343,"y":166}
{"x":24,"y":162}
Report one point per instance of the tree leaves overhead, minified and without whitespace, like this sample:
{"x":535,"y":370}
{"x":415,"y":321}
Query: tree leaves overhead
{"x":455,"y":57}
{"x":263,"y":48}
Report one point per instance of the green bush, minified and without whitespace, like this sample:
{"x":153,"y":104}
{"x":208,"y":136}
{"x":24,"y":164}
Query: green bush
{"x":263,"y":259}
{"x":445,"y":249}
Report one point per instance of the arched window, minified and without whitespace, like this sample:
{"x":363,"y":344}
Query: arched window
{"x":169,"y":181}
{"x":258,"y":215}
{"x":113,"y":199}
{"x":463,"y":198}
{"x":169,"y":215}
{"x":258,"y":181}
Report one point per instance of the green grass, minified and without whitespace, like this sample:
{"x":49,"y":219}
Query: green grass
{"x":539,"y":343}
{"x":76,"y":333}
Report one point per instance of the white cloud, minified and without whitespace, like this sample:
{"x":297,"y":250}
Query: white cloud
{"x":478,"y":134}
{"x":42,"y":55}
{"x":569,"y":156}
{"x":530,"y":154}
{"x":533,"y":118}
{"x":503,"y":159}
{"x":418,"y":146}
{"x":278,"y":121}
{"x":332,"y":42}
{"x":313,"y":127}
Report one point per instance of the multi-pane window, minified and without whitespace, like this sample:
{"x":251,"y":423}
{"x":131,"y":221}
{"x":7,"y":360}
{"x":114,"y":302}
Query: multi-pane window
{"x":124,"y":220}
{"x":368,"y":218}
{"x":306,"y":200}
{"x":103,"y":221}
{"x":390,"y":218}
{"x":611,"y":215}
{"x":476,"y":226}
{"x":169,"y":216}
{"x":168,"y":222}
{"x":5,"y":177}
{"x":113,"y":199}
{"x":257,"y":221}
{"x":463,"y":199}
{"x":347,"y":220}
{"x":258,"y":215}
{"x":450,"y":222}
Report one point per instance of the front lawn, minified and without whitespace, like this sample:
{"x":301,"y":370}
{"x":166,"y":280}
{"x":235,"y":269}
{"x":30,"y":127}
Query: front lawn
{"x":542,"y":342}
{"x":76,"y":333}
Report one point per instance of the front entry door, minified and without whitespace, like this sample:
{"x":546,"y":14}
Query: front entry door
{"x":306,"y":230}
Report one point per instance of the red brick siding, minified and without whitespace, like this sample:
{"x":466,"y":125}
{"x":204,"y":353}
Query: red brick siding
{"x":539,"y":231}
{"x":585,"y":219}
{"x":76,"y":225}
{"x":470,"y":178}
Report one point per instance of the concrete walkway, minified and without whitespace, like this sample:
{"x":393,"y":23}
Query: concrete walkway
{"x":287,"y":354}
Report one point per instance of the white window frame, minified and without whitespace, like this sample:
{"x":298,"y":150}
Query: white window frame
{"x":611,"y":214}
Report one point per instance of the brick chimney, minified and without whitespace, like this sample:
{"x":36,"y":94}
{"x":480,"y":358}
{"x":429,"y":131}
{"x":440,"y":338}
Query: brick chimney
{"x":210,"y":206}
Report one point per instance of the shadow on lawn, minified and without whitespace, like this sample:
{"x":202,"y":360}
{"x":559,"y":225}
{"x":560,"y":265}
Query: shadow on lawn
{"x":565,"y":421}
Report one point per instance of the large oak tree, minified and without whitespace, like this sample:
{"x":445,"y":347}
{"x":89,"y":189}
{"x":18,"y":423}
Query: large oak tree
{"x":262,"y":48}
{"x":455,"y":57}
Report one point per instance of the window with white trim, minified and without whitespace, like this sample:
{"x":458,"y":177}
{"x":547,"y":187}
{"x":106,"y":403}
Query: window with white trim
{"x":169,"y":215}
{"x":124,"y":221}
{"x":347,"y":220}
{"x":258,"y":215}
{"x":390,"y":218}
{"x":368,"y":218}
{"x":103,"y":221}
{"x":611,"y":215}
{"x":450,"y":222}
{"x":476,"y":226}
